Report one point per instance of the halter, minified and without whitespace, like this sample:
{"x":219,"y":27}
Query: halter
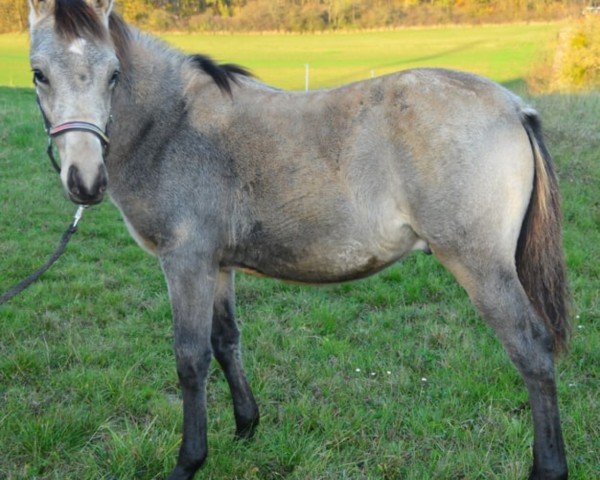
{"x":70,"y":127}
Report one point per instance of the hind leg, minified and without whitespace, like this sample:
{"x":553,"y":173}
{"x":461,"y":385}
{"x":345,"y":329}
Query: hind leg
{"x":225,"y":341}
{"x":499,"y":296}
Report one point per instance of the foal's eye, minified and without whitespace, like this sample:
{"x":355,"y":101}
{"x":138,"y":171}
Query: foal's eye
{"x":39,"y":77}
{"x":114,"y":78}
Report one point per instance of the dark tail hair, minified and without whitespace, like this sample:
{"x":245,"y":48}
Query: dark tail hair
{"x":539,"y":257}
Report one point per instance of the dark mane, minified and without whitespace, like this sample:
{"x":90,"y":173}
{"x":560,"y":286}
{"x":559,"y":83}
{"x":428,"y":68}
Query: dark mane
{"x":121,"y":36}
{"x":223,"y":75}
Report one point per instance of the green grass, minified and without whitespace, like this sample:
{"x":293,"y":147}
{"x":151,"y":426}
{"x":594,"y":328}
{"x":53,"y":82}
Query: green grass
{"x":88,"y":387}
{"x":502,"y":52}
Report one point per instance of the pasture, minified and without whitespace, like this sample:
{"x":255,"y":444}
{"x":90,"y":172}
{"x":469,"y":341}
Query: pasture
{"x":395,"y":376}
{"x":501,"y":52}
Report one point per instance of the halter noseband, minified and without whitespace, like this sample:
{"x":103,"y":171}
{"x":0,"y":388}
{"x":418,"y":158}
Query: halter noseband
{"x":70,"y":127}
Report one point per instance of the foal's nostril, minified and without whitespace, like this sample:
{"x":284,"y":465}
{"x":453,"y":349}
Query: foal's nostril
{"x":73,"y":180}
{"x":102,"y":181}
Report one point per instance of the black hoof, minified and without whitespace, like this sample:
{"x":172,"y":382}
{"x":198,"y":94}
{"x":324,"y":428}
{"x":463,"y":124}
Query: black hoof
{"x":246,"y":428}
{"x":186,"y":469}
{"x":536,"y":474}
{"x":181,"y":473}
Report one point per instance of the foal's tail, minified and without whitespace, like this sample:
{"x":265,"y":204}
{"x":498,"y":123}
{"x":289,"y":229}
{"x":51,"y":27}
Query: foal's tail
{"x":539,"y":257}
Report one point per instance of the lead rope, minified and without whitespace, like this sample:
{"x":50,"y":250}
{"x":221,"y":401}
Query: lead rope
{"x":19,"y":287}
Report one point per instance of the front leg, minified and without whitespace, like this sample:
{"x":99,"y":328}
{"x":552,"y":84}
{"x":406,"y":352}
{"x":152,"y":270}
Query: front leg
{"x":191,"y":280}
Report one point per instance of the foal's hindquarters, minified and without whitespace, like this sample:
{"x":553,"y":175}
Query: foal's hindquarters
{"x":488,"y":198}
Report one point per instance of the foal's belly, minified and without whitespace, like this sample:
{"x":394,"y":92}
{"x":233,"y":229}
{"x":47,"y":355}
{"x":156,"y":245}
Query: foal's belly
{"x":329,"y":259}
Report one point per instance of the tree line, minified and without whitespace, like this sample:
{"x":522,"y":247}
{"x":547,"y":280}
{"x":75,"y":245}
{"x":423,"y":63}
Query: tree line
{"x":313,"y":15}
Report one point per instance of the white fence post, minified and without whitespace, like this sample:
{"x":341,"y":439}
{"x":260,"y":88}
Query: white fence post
{"x":306,"y":76}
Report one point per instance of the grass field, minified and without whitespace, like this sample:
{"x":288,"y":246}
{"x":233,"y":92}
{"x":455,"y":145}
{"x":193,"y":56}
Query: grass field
{"x":88,"y":387}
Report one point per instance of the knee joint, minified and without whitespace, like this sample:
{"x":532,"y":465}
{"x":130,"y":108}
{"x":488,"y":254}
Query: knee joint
{"x":192,"y":369}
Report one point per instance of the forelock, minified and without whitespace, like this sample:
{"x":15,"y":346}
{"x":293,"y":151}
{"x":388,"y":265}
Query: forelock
{"x":76,"y":19}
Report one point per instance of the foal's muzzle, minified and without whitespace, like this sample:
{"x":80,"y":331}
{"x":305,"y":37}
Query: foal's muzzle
{"x":79,"y":193}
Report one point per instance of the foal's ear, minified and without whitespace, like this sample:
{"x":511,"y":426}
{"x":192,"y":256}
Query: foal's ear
{"x":39,"y":9}
{"x":103,"y":7}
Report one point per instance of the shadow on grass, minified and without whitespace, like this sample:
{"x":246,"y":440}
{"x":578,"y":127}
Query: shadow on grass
{"x":17,"y":91}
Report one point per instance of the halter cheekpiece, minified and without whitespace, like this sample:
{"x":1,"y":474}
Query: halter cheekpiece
{"x":76,"y":125}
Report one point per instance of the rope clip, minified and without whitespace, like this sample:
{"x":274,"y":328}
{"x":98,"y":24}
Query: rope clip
{"x":78,"y":214}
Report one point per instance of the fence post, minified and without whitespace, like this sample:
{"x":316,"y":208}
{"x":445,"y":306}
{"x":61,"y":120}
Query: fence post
{"x":306,"y":76}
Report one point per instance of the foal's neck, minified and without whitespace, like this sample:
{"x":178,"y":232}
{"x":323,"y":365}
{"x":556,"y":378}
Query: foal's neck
{"x":149,"y":102}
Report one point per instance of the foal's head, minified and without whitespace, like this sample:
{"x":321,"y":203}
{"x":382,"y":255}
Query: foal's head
{"x":75,"y":70}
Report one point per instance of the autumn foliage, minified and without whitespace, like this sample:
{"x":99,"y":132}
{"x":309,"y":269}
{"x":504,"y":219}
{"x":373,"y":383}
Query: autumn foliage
{"x":313,"y":15}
